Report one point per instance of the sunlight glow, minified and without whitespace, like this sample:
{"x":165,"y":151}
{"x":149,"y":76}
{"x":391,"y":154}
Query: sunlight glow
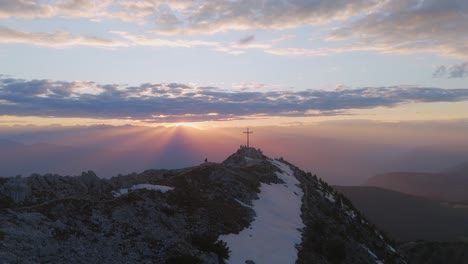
{"x":184,"y":124}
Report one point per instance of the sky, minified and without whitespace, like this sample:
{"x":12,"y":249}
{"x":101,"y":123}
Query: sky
{"x":340,"y":152}
{"x":372,"y":85}
{"x":239,"y":62}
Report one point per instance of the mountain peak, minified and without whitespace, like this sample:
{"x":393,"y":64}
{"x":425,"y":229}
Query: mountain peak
{"x":204,"y":214}
{"x":245,"y":156}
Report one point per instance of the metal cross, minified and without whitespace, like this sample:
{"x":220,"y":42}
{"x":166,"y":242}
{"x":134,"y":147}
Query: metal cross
{"x":248,"y":132}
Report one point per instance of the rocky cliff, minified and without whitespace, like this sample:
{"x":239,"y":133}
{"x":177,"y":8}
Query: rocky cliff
{"x":247,"y":209}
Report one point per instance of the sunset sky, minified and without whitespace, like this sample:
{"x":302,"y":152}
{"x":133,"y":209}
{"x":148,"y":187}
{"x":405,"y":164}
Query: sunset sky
{"x":232,"y":63}
{"x":343,"y":88}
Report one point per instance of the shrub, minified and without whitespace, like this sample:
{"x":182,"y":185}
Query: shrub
{"x":318,"y":227}
{"x":335,"y":250}
{"x":183,"y":259}
{"x":168,"y":211}
{"x":210,"y":244}
{"x":3,"y":180}
{"x":6,"y":201}
{"x":222,"y":250}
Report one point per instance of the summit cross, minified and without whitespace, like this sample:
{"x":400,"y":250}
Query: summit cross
{"x":248,"y":132}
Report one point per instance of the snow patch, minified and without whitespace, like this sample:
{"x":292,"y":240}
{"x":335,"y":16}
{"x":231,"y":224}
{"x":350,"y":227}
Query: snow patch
{"x":391,"y":248}
{"x":330,"y":197}
{"x":151,"y":187}
{"x":274,"y":233}
{"x":351,"y":213}
{"x":383,"y":239}
{"x":242,"y":203}
{"x":371,"y":253}
{"x":377,"y":260}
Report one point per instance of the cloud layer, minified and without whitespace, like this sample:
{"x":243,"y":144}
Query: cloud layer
{"x":187,"y":16}
{"x":217,"y":16}
{"x":411,"y":26}
{"x":385,"y":26}
{"x":53,"y":39}
{"x":175,"y":102}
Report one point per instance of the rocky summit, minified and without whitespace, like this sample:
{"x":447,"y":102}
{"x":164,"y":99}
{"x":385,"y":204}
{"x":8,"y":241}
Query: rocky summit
{"x":247,"y":209}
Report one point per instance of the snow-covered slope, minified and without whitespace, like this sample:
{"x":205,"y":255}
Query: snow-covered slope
{"x":274,"y":234}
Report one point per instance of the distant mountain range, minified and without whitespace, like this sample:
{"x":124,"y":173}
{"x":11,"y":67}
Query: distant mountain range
{"x":449,"y":185}
{"x":406,"y":217}
{"x":106,"y":160}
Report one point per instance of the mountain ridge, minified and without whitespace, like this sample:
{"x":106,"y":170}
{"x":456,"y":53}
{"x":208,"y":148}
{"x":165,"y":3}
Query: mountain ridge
{"x":448,"y":185}
{"x":52,"y":218}
{"x":407,"y":217}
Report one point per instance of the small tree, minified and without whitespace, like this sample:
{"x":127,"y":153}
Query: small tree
{"x":209,"y":243}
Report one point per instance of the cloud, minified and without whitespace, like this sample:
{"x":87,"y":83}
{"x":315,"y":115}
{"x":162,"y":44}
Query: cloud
{"x":188,"y":17}
{"x":45,"y":9}
{"x":411,"y":26}
{"x":24,"y":9}
{"x":317,"y":52}
{"x":452,"y":71}
{"x":249,"y":42}
{"x":283,"y":38}
{"x":60,"y":39}
{"x":249,"y":86}
{"x":246,"y":40}
{"x":142,"y":40}
{"x":304,"y":51}
{"x":53,"y":39}
{"x":130,"y":11}
{"x":459,"y":70}
{"x":217,"y":16}
{"x":383,"y":26}
{"x":176,"y":102}
{"x":440,"y":71}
